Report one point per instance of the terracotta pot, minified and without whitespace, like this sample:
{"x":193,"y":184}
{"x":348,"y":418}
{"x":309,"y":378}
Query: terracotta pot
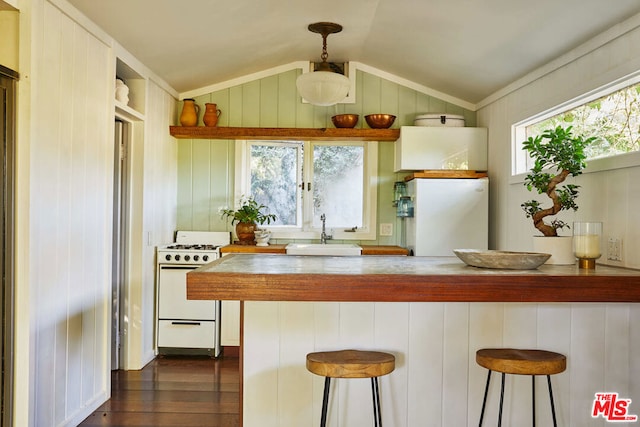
{"x":189,"y":115}
{"x":246,"y":232}
{"x":211,"y":114}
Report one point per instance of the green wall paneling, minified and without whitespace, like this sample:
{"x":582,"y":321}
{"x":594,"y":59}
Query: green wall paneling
{"x":184,"y":185}
{"x":206,"y":167}
{"x":287,"y":100}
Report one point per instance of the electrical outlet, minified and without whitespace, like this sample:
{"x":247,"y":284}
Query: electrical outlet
{"x":386,"y":229}
{"x":614,"y":249}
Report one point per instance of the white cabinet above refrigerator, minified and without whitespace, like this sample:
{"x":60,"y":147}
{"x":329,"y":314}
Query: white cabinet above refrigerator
{"x":432,"y":148}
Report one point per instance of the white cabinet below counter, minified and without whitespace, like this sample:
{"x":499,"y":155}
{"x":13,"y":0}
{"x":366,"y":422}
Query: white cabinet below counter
{"x":429,"y":148}
{"x":230,"y":322}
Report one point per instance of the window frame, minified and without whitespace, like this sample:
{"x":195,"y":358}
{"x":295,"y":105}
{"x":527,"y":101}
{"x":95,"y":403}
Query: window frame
{"x":619,"y":161}
{"x":307,"y":230}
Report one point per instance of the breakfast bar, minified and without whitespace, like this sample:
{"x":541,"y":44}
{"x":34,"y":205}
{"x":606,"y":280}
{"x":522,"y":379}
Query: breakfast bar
{"x":403,"y":279}
{"x":432,"y":314}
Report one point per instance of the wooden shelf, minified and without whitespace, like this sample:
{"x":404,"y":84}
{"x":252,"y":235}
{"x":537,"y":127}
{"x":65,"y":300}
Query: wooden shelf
{"x":288,"y":134}
{"x":446,"y":174}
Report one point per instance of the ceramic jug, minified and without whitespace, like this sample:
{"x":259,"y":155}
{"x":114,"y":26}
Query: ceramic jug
{"x":190,"y":110}
{"x":211,"y":114}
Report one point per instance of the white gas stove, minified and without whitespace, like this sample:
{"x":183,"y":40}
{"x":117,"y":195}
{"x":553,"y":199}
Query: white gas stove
{"x":194,"y":247}
{"x":187,"y":326}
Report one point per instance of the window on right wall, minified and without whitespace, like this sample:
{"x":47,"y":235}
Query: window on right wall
{"x":612,"y":114}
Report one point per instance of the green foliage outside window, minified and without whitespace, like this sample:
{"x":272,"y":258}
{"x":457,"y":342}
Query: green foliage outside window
{"x":274,"y":180}
{"x":337,"y":181}
{"x":614,"y":119}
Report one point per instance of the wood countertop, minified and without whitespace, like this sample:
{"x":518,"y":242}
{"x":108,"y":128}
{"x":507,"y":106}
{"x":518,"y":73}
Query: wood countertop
{"x":383,"y":250}
{"x":253,"y":249}
{"x":403,"y":279}
{"x":281,"y":249}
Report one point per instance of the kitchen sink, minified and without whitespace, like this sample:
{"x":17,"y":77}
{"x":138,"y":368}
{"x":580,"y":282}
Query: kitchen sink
{"x":331,"y":249}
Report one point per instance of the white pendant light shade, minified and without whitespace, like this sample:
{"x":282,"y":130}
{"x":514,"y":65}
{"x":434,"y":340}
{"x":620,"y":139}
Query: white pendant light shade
{"x":323,"y":88}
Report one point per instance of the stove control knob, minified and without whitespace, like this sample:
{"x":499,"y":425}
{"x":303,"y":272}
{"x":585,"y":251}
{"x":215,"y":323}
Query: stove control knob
{"x":177,"y":257}
{"x":168,"y":257}
{"x":196,"y":257}
{"x":187,"y":257}
{"x":205,"y":258}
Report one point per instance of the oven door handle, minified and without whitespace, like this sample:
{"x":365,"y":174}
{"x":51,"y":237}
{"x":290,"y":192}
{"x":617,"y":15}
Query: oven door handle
{"x":186,"y":323}
{"x":178,"y":267}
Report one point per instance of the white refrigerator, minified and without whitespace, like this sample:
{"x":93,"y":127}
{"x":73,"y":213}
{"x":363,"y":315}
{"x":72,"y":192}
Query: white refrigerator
{"x":448,"y":214}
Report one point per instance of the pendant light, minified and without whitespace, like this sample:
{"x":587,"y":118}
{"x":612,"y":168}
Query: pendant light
{"x":323,"y":87}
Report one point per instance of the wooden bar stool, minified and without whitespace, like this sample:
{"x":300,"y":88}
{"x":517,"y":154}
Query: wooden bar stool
{"x":520,"y":362}
{"x":351,"y":364}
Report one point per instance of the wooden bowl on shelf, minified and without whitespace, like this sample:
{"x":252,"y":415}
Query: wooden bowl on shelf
{"x":345,"y":120}
{"x":380,"y":121}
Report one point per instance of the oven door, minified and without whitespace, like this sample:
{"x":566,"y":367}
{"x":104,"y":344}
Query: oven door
{"x":172,"y":296}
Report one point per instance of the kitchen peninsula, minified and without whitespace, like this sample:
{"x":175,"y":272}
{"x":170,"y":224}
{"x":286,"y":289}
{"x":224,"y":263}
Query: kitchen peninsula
{"x":433,"y":314}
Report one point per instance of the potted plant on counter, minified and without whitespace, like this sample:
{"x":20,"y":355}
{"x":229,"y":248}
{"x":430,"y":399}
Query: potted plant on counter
{"x":557,"y":154}
{"x":248,"y":216}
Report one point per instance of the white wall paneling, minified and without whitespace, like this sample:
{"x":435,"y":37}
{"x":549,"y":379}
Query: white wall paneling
{"x":158,"y":212}
{"x":64,"y":211}
{"x":609,"y":196}
{"x":70,"y":217}
{"x":436,"y":381}
{"x":600,"y":340}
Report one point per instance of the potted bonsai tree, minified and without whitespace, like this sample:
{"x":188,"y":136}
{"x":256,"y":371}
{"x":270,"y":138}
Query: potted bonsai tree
{"x":248,"y":216}
{"x":557,"y":154}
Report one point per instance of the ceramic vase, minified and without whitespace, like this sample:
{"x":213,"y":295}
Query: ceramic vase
{"x":189,"y":115}
{"x":211,"y":114}
{"x":560,"y":248}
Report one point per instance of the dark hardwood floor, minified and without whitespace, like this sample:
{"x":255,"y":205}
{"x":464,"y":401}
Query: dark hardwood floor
{"x":177,"y":391}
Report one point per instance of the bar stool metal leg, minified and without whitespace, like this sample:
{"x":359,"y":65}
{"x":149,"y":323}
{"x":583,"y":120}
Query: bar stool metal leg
{"x":375,"y":391}
{"x":553,"y":408}
{"x":484,"y":401}
{"x":533,"y":399}
{"x":501,"y":401}
{"x":325,"y":402}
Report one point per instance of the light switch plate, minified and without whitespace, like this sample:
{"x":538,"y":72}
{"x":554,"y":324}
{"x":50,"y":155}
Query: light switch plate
{"x":614,"y":249}
{"x":386,"y":229}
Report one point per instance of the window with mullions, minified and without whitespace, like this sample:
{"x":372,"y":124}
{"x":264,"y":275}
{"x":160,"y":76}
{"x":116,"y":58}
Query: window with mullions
{"x":301,"y":180}
{"x":611,"y":115}
{"x":275,"y":171}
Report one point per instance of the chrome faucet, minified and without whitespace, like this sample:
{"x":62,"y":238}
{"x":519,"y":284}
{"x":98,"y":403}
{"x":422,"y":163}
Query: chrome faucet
{"x":324,"y":236}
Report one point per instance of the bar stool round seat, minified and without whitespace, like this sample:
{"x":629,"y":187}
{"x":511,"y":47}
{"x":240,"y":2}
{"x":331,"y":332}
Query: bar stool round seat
{"x":520,"y":362}
{"x":351,"y":364}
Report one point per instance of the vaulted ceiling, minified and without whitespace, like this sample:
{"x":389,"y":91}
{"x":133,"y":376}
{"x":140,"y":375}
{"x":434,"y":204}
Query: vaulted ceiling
{"x":465,"y":48}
